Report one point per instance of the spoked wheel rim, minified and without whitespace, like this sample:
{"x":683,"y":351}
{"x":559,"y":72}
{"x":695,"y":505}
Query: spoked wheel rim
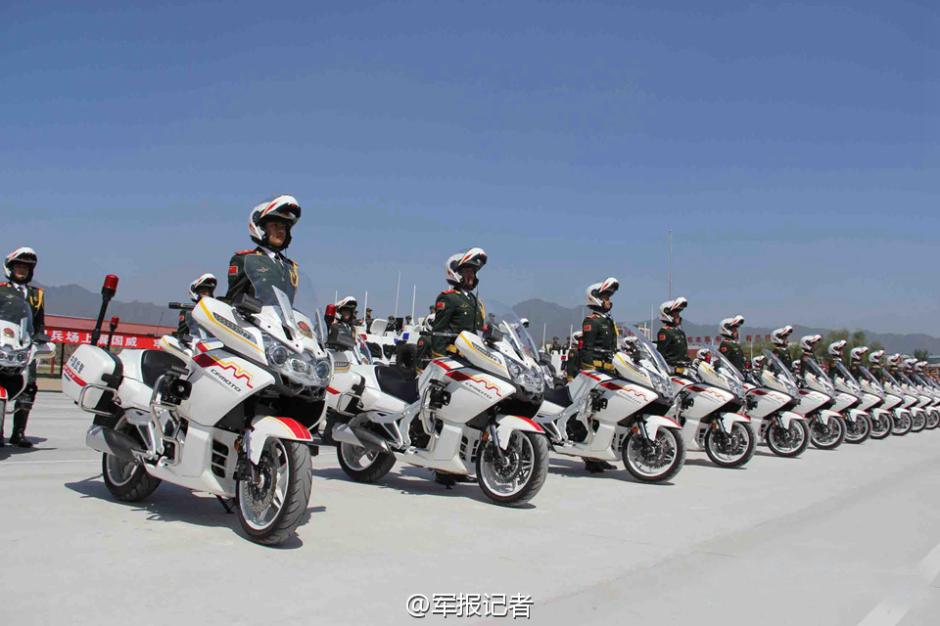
{"x":651,"y":458}
{"x":861,"y":431}
{"x":120,"y":472}
{"x":357,"y":457}
{"x":880,"y":425}
{"x":826,"y":434}
{"x":262,"y":497}
{"x":509,"y":476}
{"x":786,"y":439}
{"x":730,"y":447}
{"x":902,"y":425}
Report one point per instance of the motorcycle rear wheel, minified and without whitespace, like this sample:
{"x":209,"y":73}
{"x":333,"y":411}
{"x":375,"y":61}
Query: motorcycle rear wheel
{"x":362,"y":465}
{"x":128,"y":481}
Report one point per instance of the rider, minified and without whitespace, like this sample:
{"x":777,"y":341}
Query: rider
{"x":835,"y":352}
{"x":876,"y":363}
{"x":781,"y":340}
{"x":573,"y":360}
{"x":730,"y":346}
{"x":855,"y":360}
{"x":458,"y":309}
{"x":599,"y":341}
{"x":599,"y":338}
{"x":203,"y":286}
{"x":671,"y":340}
{"x":894,"y":363}
{"x":269,"y":226}
{"x":19,"y":266}
{"x":807,"y":344}
{"x":342,"y":335}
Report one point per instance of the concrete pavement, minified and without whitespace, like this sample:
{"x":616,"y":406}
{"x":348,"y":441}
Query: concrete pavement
{"x":830,"y":538}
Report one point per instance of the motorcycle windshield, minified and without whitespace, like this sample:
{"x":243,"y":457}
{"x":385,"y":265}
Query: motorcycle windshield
{"x":519,"y":337}
{"x":889,"y":378}
{"x":729,"y":373}
{"x":15,"y":310}
{"x":652,"y":361}
{"x":812,"y":367}
{"x":870,"y":378}
{"x":781,"y":372}
{"x":842,"y":371}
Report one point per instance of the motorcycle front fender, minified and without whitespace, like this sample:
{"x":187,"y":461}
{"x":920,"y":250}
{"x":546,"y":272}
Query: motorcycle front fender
{"x":825,"y":416}
{"x":506,"y":424}
{"x":266,"y":427}
{"x":652,"y":424}
{"x":728,"y":420}
{"x":788,"y":417}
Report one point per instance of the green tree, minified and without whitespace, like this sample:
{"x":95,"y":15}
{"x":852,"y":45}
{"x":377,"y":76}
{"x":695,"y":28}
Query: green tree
{"x":921,"y":355}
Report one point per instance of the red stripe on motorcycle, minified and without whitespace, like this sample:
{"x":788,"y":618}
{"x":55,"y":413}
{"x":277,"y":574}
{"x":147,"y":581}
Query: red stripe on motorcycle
{"x":535,"y":425}
{"x":299,"y":430}
{"x":68,"y":371}
{"x":335,"y":392}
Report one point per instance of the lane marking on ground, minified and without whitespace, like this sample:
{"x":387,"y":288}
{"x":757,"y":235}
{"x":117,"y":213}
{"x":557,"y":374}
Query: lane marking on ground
{"x":892,"y":609}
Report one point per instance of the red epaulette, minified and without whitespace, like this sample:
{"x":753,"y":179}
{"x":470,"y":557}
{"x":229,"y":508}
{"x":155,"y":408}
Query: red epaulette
{"x":448,"y":291}
{"x":243,"y":252}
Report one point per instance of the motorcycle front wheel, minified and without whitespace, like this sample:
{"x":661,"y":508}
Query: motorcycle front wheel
{"x":860,"y":432}
{"x":654,"y":461}
{"x":272,"y":501}
{"x":827,"y":436}
{"x":933,"y":420}
{"x":787,"y":442}
{"x":880,"y":427}
{"x":900,"y":426}
{"x":917,"y":422}
{"x":515,"y":476}
{"x":732,"y":449}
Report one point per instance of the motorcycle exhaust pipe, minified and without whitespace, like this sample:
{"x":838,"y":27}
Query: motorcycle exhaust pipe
{"x":358,"y":437}
{"x":110,"y":441}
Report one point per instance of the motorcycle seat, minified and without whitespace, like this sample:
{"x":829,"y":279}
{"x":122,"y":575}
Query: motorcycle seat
{"x":559,"y":395}
{"x":154,"y":363}
{"x":395,"y":382}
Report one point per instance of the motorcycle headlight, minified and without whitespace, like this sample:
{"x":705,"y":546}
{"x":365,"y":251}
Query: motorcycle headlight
{"x":515,"y":370}
{"x":324,"y":369}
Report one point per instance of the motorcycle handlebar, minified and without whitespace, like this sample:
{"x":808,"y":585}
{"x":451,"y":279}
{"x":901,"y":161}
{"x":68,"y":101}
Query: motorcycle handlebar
{"x":180,"y":306}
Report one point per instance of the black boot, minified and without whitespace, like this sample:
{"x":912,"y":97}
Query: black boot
{"x":18,"y":438}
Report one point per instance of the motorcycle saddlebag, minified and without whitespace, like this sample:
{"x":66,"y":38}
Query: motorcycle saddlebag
{"x":91,"y":365}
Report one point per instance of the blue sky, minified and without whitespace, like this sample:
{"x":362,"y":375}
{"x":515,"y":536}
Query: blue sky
{"x":792,"y":149}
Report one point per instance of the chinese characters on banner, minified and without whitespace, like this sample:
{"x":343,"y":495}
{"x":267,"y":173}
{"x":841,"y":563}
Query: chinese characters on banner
{"x":62,"y":335}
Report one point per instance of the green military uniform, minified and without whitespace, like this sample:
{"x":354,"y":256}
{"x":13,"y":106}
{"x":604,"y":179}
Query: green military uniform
{"x":342,"y":336}
{"x":784,"y":355}
{"x":673,"y":345}
{"x":239,"y":283}
{"x":877,"y":372}
{"x":455,"y":310}
{"x":185,"y":325}
{"x":35,"y":297}
{"x":733,"y":352}
{"x":599,"y":341}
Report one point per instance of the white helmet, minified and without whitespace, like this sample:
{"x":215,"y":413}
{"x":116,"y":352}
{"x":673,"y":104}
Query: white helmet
{"x":206,"y":281}
{"x":837,"y":348}
{"x":669,"y":308}
{"x":858,"y":353}
{"x":285,"y":208}
{"x":595,"y":291}
{"x":23,"y":255}
{"x":758,"y":362}
{"x":875,"y":358}
{"x":348,"y":302}
{"x":909,"y":364}
{"x":808,"y":343}
{"x":894,"y":359}
{"x":525,"y":322}
{"x":474,"y":257}
{"x":730,"y":325}
{"x":781,"y":336}
{"x":920,"y":366}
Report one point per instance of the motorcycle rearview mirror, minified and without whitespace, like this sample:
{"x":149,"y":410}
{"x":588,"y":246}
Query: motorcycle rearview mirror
{"x":247,"y":305}
{"x":180,"y":306}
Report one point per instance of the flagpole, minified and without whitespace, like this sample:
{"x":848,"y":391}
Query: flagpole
{"x":397,"y":291}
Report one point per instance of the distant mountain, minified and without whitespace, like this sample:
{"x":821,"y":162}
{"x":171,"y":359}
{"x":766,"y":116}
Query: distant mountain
{"x":559,"y":320}
{"x":76,"y":301}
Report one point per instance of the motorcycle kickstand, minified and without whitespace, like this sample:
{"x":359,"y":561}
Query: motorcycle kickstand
{"x":225,"y":504}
